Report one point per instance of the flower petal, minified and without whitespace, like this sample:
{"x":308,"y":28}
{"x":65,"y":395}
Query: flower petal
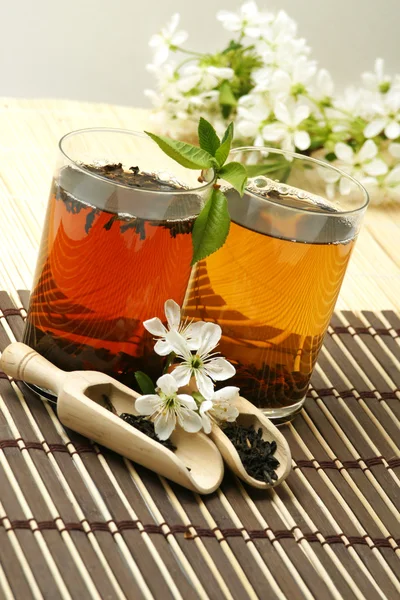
{"x":155,"y":327}
{"x":173,"y":314}
{"x":302,"y":140}
{"x":187,"y":401}
{"x":344,"y":152}
{"x":219,"y":369}
{"x":221,"y":72}
{"x":162,"y":348}
{"x":345,"y":186}
{"x":393,"y":179}
{"x":301,"y":113}
{"x":204,"y":384}
{"x":232,"y":413}
{"x":179,"y":344}
{"x":227,"y":394}
{"x":156,"y":40}
{"x":205,"y":419}
{"x":376,"y":167}
{"x":368,"y":151}
{"x":164,"y":424}
{"x":225,"y":412}
{"x":392,"y":130}
{"x":281,"y":82}
{"x":147,"y":405}
{"x":374,"y":128}
{"x":179,"y":38}
{"x":189,"y":420}
{"x":167,"y":384}
{"x":274,"y":132}
{"x":160,"y":55}
{"x":181,"y":375}
{"x":206,"y":423}
{"x":282,"y":112}
{"x":394,"y":149}
{"x":205,"y":406}
{"x":192,"y":333}
{"x":210,"y":335}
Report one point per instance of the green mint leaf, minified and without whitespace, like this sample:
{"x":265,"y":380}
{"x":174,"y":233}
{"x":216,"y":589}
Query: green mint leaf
{"x":145,"y":383}
{"x":208,"y":139}
{"x":226,"y":111}
{"x":236,"y":174}
{"x":226,"y":96}
{"x":223,"y":151}
{"x":211,"y":227}
{"x":187,"y":155}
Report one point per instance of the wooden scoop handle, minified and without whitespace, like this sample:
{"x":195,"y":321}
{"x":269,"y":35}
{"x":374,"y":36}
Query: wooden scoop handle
{"x":24,"y":363}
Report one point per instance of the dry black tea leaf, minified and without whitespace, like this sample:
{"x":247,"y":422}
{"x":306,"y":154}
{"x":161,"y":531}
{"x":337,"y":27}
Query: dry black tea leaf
{"x":256,"y":454}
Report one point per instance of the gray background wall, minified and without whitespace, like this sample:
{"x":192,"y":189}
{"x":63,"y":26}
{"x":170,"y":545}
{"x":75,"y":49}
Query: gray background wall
{"x":96,"y":50}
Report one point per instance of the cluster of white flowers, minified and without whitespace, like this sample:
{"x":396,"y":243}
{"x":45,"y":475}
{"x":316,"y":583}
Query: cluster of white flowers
{"x":265,"y":81}
{"x":193,"y":347}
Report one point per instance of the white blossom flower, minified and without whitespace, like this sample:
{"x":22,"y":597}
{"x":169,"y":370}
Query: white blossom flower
{"x":204,"y":366}
{"x":377,"y":81}
{"x":281,"y":55}
{"x":286,"y":130}
{"x":352,"y":102}
{"x":219,"y":407}
{"x":391,"y":183}
{"x":280,"y":29}
{"x":193,"y":76}
{"x":385,"y":189}
{"x":189,"y":331}
{"x":249,"y":20}
{"x":324,"y":86}
{"x":276,"y":72}
{"x":165,"y":40}
{"x":387,"y":116}
{"x":167,"y":407}
{"x":363,"y":165}
{"x":253,"y":110}
{"x":295,"y":80}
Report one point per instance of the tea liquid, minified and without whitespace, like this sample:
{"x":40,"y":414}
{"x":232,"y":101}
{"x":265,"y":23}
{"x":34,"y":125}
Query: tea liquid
{"x":272,"y":288}
{"x":100,"y":274}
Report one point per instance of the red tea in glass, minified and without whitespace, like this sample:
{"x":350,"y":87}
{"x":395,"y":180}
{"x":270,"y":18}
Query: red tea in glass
{"x":116,"y":244}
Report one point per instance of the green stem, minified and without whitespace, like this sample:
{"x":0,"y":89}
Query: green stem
{"x":184,"y":62}
{"x":184,"y":51}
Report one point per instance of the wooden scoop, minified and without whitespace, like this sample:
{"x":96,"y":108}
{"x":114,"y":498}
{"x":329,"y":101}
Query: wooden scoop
{"x":250,"y":415}
{"x":82,"y":400}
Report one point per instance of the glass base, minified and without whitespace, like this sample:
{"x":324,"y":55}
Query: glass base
{"x":280,"y":416}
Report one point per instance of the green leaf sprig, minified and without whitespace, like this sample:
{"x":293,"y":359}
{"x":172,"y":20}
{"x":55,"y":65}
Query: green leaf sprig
{"x":211,"y":227}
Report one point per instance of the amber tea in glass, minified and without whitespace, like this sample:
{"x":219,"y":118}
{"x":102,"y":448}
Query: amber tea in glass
{"x":273,"y":285}
{"x":116,"y":244}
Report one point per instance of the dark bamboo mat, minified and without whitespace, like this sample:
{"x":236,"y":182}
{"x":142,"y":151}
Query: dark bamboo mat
{"x":79,"y":522}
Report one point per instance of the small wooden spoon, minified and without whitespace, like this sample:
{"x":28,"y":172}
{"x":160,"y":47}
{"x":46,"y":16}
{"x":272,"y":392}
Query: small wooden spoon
{"x":250,"y":415}
{"x":82,"y":400}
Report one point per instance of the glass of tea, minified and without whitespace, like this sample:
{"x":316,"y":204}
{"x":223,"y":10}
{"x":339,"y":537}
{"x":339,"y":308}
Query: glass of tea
{"x":272,"y":287}
{"x":116,"y":244}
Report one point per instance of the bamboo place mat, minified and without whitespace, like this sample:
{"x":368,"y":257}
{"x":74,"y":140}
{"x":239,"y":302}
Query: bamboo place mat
{"x":80,"y":522}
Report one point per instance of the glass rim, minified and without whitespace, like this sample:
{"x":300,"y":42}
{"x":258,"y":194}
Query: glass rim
{"x":316,"y":161}
{"x":134,"y":133}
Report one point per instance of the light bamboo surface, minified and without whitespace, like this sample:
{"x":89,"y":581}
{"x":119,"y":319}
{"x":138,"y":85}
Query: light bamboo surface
{"x":29,"y":134}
